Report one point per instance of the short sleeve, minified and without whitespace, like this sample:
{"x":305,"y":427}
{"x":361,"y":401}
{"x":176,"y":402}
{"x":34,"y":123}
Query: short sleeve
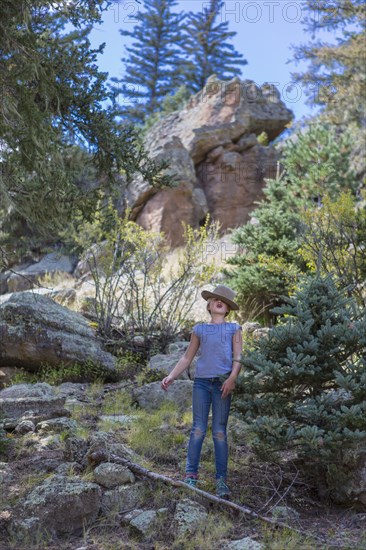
{"x":197,"y":330}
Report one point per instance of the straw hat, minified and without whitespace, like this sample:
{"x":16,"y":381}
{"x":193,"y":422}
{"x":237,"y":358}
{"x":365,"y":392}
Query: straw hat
{"x":222,"y":292}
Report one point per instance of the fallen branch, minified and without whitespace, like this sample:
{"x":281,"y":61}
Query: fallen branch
{"x":103,"y":456}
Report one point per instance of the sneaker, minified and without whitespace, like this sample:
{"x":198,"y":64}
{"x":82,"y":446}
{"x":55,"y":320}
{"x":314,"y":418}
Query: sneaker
{"x":191,"y":481}
{"x":222,"y":490}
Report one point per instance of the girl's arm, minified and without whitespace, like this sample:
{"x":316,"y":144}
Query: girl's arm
{"x":183,"y":362}
{"x":229,"y":384}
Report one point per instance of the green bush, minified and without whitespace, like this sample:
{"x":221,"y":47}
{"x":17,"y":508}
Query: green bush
{"x":268,"y":263}
{"x":303,"y":388}
{"x":334,"y":241}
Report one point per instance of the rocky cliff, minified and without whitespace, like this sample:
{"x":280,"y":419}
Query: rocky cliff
{"x":215,"y":156}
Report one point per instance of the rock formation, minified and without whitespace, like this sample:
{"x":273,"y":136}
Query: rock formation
{"x":35,"y":330}
{"x":214,"y":154}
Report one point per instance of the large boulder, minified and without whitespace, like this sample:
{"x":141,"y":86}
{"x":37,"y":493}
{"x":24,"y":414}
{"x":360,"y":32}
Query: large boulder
{"x":215,"y":157}
{"x":35,"y":330}
{"x":60,"y":505}
{"x":181,"y":168}
{"x":222,"y":113}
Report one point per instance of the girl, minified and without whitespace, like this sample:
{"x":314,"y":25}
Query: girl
{"x":217,"y":368}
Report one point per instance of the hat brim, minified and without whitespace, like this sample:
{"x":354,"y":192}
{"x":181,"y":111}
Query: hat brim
{"x":206,"y":294}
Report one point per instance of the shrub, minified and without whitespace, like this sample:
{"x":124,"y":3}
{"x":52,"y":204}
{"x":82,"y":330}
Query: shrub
{"x":128,"y":364}
{"x":267,"y":264}
{"x":136,"y":290}
{"x":335,"y":239}
{"x":304,"y":387}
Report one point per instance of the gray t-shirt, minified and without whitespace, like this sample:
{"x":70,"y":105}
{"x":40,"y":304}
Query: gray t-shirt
{"x":216,"y":348}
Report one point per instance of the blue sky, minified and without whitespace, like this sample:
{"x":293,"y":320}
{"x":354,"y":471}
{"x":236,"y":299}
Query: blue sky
{"x":265,"y":29}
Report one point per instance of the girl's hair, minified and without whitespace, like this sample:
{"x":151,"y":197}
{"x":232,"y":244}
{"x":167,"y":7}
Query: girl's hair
{"x":208,"y":303}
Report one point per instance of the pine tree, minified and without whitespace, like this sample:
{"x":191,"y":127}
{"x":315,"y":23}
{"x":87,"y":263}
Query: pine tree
{"x":208,"y":49}
{"x":317,"y":162}
{"x":303,"y":388}
{"x":336,"y":75}
{"x":152,"y":63}
{"x":52,"y":102}
{"x":267,"y":264}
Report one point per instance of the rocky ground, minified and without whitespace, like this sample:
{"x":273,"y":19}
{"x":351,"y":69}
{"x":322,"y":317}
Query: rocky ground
{"x":62,"y":485}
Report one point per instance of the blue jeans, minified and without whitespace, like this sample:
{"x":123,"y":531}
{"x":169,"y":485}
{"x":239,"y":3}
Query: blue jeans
{"x":206,"y":391}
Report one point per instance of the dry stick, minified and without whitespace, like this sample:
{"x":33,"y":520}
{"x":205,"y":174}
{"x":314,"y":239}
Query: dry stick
{"x":101,"y":456}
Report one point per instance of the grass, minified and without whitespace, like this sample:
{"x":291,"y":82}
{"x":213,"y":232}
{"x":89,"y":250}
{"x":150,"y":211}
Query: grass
{"x":161,"y":436}
{"x":157,"y":435}
{"x":128,"y":365}
{"x":88,"y":372}
{"x":51,"y":280}
{"x":209,"y":535}
{"x":160,"y":495}
{"x":81,"y":432}
{"x":118,"y":402}
{"x":107,"y":425}
{"x":286,"y":539}
{"x":83,"y":411}
{"x":37,"y":539}
{"x":94,"y":389}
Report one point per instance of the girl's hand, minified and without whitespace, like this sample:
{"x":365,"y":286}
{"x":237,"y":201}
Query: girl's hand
{"x":165,"y":383}
{"x":227,"y":387}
